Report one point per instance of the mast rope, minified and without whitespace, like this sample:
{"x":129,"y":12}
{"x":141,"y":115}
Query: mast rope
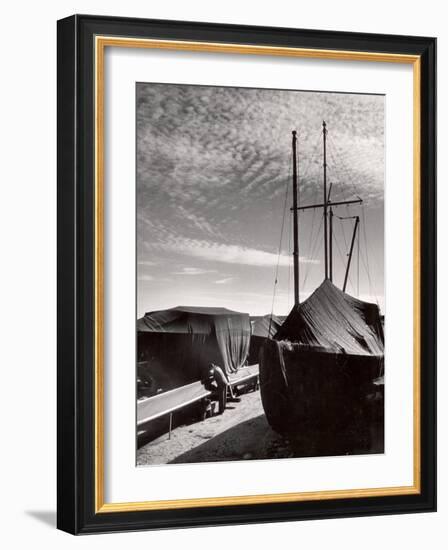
{"x":310,"y":158}
{"x":303,"y":177}
{"x":342,"y":260}
{"x":336,"y":171}
{"x":366,"y":269}
{"x":310,"y":240}
{"x":311,"y":248}
{"x":367,"y":266}
{"x":347,"y":179}
{"x":343,"y":232}
{"x":344,"y":180}
{"x":357,"y":271}
{"x":289,"y":253}
{"x":280,"y":243}
{"x":313,"y":254}
{"x":346,"y":173}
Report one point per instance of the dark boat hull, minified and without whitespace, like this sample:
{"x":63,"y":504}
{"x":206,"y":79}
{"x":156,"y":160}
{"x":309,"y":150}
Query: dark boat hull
{"x":328,"y":401}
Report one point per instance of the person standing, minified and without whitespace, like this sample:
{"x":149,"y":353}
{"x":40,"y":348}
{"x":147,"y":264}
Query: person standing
{"x":222,"y":383}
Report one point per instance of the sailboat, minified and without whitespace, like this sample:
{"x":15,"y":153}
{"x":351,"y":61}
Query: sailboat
{"x":321,"y":376}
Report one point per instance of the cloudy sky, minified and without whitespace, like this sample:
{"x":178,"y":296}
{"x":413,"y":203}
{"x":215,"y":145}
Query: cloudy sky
{"x":214,"y":172}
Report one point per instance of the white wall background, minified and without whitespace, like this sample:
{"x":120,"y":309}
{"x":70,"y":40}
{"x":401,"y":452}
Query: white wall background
{"x":28,"y":270}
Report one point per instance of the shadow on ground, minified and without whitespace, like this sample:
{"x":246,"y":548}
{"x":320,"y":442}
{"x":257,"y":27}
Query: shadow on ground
{"x":158,"y":427}
{"x":48,"y":517}
{"x":251,"y":439}
{"x":254,"y":439}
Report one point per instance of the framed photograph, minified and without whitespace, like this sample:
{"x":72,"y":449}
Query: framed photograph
{"x":246,"y":274}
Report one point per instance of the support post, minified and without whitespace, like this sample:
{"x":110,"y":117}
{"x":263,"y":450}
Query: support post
{"x":295,"y":218}
{"x":324,"y":131}
{"x":350,"y":253}
{"x":331,"y":244}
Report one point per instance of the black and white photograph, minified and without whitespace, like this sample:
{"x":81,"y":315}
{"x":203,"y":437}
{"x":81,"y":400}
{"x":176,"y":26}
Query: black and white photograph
{"x":222,"y":219}
{"x":260,"y":273}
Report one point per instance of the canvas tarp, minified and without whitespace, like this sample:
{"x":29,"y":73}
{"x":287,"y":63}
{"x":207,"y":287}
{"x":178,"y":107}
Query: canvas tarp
{"x":263,"y":327}
{"x":317,"y":376}
{"x":182,"y":341}
{"x":333,"y":321}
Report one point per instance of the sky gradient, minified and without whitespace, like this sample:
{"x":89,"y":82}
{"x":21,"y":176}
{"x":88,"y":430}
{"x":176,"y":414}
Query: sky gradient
{"x":214,"y":171}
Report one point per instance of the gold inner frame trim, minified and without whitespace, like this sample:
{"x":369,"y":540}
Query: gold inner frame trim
{"x":101,"y":42}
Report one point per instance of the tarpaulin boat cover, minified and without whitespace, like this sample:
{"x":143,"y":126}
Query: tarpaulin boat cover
{"x":265,"y":326}
{"x":184,"y":340}
{"x":262,"y":327}
{"x":333,"y":321}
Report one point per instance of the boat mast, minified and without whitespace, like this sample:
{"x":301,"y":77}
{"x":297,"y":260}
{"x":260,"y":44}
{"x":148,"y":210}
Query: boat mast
{"x":331,"y":243}
{"x":324,"y":131}
{"x":325,"y":205}
{"x":351,"y":252}
{"x":295,"y":218}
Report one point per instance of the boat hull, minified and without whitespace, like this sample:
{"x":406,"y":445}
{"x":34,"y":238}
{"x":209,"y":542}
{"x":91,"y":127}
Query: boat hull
{"x":329,"y":401}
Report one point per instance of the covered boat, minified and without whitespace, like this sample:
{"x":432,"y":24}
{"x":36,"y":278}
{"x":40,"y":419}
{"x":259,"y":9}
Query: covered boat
{"x":322,"y":373}
{"x":265,"y":326}
{"x":319,"y":371}
{"x":176,"y":345}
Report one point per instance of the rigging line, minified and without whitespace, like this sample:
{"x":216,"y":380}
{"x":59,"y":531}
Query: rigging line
{"x":307,"y":169}
{"x":314,"y":245}
{"x":349,"y":211}
{"x":332,"y":155}
{"x":311,"y":156}
{"x":311,"y":261}
{"x":309,"y":162}
{"x":335,"y":177}
{"x":289,"y":253}
{"x":371,"y":287}
{"x":310,"y":255}
{"x":336,"y":155}
{"x":367,"y":251}
{"x":372,"y":293}
{"x":280,"y":243}
{"x":341,"y":175}
{"x":313,"y":221}
{"x":311,"y":232}
{"x":341,"y":154}
{"x":342,"y":260}
{"x":311,"y":250}
{"x":348,"y":172}
{"x":373,"y":259}
{"x":303,"y":177}
{"x":357,"y":268}
{"x":338,"y":180}
{"x":343,"y":232}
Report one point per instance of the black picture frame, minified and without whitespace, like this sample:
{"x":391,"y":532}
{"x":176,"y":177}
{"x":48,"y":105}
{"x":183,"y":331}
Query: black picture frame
{"x":76,"y":511}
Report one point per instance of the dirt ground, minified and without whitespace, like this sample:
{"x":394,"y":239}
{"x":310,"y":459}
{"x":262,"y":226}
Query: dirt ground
{"x":241,"y":433}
